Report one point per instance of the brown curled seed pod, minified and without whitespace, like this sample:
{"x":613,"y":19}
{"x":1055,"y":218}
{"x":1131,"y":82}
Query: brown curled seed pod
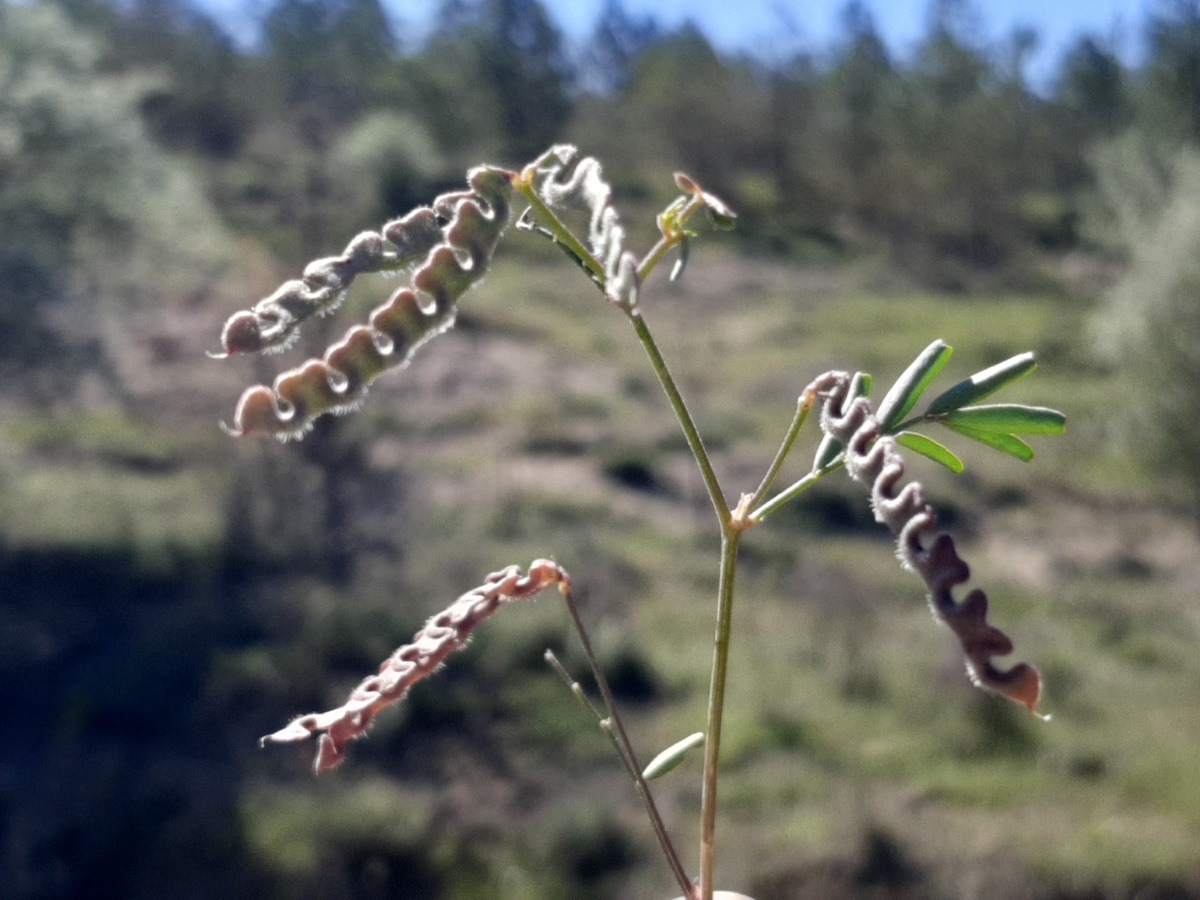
{"x":457,"y":260}
{"x":404,"y":242}
{"x":446,"y":632}
{"x":306,"y":388}
{"x":874,"y":459}
{"x":257,"y":412}
{"x":242,"y":334}
{"x":401,"y":320}
{"x":357,"y":358}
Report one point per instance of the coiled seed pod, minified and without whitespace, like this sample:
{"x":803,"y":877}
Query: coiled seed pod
{"x":874,"y":460}
{"x":450,"y":244}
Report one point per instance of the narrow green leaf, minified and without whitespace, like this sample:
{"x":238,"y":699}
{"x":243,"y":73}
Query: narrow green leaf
{"x":909,"y":387}
{"x":927,"y":446}
{"x":670,"y":758}
{"x":1008,"y":443}
{"x":1008,"y":418}
{"x":983,"y":384}
{"x":860,"y":386}
{"x":827,"y":451}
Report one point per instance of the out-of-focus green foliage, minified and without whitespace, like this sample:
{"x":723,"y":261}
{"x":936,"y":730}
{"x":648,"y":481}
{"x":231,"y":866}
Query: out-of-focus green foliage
{"x":1094,"y":86}
{"x":1149,"y":322}
{"x":501,"y":76}
{"x":1173,"y":35}
{"x":99,"y":223}
{"x":328,"y":54}
{"x":948,"y":161}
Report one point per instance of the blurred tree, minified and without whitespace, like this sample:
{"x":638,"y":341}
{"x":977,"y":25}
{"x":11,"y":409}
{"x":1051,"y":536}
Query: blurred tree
{"x":98,"y":221}
{"x":1173,"y":38}
{"x":387,"y":164}
{"x":329,"y":54}
{"x":860,"y":87}
{"x":500,"y":70}
{"x":323,"y":67}
{"x":195,"y":101}
{"x":1018,"y":48}
{"x":811,"y":178}
{"x":617,"y":42}
{"x":707,"y":116}
{"x":1149,"y":322}
{"x":955,"y":166}
{"x":949,"y":59}
{"x":863,"y":69}
{"x":1092,"y":84}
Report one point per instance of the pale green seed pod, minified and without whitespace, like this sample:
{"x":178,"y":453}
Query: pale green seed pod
{"x":562,"y":177}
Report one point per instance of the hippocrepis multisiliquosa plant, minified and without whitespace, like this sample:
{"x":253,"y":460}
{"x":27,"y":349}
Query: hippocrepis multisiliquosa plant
{"x":446,"y":249}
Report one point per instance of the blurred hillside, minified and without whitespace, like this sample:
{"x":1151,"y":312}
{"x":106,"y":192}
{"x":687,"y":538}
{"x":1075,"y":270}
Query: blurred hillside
{"x":168,"y":594}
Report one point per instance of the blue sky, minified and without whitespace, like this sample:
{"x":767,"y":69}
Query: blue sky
{"x":775,"y":26}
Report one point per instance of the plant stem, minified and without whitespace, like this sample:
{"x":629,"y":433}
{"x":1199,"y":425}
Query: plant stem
{"x":625,"y":748}
{"x":795,"y":490}
{"x":730,"y":538}
{"x":670,"y":238}
{"x":672,"y":225}
{"x":789,"y":439}
{"x":690,"y":432}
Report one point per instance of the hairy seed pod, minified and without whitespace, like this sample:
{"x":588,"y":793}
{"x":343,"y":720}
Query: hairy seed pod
{"x":874,"y":459}
{"x":449,"y":630}
{"x":454,"y":240}
{"x":564,"y":177}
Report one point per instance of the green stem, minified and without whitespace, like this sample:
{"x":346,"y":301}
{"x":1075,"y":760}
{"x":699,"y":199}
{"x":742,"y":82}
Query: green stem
{"x":561,"y":232}
{"x":672,"y":235}
{"x":716,"y":709}
{"x":690,"y":432}
{"x":795,"y":490}
{"x":789,"y":439}
{"x":626,"y":751}
{"x":670,"y":238}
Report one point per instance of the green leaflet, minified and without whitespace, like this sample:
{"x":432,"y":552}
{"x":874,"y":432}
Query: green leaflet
{"x":1009,"y":443}
{"x":983,"y":384}
{"x":927,"y":446}
{"x":1007,"y":418}
{"x":670,"y":758}
{"x":909,"y":387}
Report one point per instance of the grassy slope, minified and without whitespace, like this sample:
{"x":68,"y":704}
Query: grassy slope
{"x":536,"y":429}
